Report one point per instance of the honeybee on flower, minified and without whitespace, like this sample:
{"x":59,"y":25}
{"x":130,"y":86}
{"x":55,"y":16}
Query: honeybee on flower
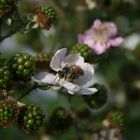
{"x":72,"y":73}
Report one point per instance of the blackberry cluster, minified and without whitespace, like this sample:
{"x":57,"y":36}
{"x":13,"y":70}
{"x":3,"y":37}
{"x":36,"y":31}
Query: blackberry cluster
{"x":4,"y":77}
{"x":22,"y":66}
{"x":31,"y":118}
{"x":46,"y":16}
{"x":42,"y":61}
{"x":60,"y":121}
{"x":8,"y":112}
{"x":6,"y":6}
{"x":84,"y":51}
{"x":50,"y":12}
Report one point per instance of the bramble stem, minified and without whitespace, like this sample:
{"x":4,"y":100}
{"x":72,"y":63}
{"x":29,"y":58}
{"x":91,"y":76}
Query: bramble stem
{"x":27,"y":92}
{"x":12,"y":31}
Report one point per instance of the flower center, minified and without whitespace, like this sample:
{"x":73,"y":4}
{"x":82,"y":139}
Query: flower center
{"x":70,"y":72}
{"x":100,"y":34}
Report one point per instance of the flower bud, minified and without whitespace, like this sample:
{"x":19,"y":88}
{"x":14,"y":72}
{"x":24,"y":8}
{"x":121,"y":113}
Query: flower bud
{"x":84,"y":51}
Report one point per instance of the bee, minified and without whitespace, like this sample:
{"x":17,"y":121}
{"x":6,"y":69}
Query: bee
{"x":70,"y":72}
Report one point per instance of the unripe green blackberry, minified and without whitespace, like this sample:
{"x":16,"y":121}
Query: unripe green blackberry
{"x":116,"y":119}
{"x":84,"y":51}
{"x":6,"y":6}
{"x":98,"y":99}
{"x":22,"y":66}
{"x":45,"y":16}
{"x":42,"y":61}
{"x":60,"y":121}
{"x":4,"y":77}
{"x":8,"y":112}
{"x":50,"y":12}
{"x":30,"y":118}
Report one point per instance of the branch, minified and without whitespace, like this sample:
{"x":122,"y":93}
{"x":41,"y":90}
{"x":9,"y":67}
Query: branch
{"x":27,"y":91}
{"x":12,"y":31}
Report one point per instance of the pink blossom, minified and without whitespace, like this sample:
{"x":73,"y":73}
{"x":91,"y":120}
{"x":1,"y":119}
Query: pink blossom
{"x":101,"y":36}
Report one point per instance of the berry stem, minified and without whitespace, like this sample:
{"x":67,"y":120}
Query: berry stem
{"x":32,"y":87}
{"x":12,"y":31}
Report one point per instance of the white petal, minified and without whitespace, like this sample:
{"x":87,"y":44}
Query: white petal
{"x":44,"y":78}
{"x":74,"y":58}
{"x":88,"y":74}
{"x":35,"y":26}
{"x":58,"y":59}
{"x":87,"y":91}
{"x":72,"y":88}
{"x":70,"y":92}
{"x":75,"y":89}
